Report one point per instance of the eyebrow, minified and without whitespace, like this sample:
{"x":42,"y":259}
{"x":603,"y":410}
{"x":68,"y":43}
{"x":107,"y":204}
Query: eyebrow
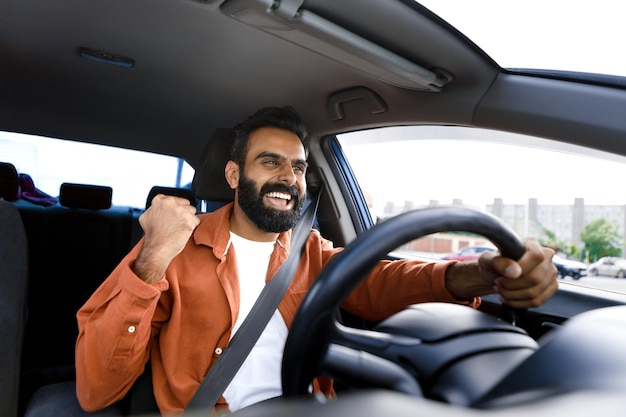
{"x":281,"y":158}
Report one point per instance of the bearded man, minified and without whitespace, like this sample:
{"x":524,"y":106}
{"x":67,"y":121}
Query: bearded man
{"x":178,"y":297}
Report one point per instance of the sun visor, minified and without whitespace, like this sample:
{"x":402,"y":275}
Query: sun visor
{"x":288,"y":20}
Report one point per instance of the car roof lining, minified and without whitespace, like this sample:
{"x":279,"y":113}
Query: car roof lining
{"x":216,"y":90}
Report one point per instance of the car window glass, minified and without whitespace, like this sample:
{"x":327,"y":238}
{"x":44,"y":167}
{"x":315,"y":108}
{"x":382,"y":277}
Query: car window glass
{"x":131,"y":174}
{"x":562,"y":195}
{"x":513,"y":43}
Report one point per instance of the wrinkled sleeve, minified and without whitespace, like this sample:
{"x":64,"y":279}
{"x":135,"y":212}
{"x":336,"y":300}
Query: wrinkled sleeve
{"x":394,"y":285}
{"x":115,"y":331}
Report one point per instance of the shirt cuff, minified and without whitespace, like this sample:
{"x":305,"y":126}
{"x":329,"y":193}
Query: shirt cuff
{"x":130,"y":282}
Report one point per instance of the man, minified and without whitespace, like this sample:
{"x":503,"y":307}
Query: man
{"x":182,"y":292}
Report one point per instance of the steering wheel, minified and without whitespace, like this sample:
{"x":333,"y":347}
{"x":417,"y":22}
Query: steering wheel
{"x":316,"y":336}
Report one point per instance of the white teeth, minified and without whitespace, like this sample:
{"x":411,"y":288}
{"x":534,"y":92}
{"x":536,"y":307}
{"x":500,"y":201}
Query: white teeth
{"x":279,"y":195}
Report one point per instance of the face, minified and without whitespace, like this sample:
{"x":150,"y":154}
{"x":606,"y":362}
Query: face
{"x":271,"y":188}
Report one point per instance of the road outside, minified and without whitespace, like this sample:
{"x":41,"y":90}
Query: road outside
{"x":601,"y":282}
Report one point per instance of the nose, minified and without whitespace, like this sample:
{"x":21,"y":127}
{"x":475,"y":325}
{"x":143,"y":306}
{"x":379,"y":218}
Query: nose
{"x":286,"y":175}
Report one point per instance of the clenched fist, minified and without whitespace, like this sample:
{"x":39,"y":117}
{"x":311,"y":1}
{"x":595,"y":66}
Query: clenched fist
{"x":167,"y":225}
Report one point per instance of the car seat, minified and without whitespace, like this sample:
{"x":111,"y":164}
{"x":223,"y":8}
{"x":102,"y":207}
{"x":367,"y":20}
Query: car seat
{"x":9,"y":182}
{"x":209,"y":182}
{"x":13,"y":289}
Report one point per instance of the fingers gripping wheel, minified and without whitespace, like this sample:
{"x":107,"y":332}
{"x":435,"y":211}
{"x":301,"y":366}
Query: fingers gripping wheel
{"x":315,"y":325}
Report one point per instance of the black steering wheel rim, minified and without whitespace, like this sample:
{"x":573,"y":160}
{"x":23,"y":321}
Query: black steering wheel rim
{"x":313,"y":326}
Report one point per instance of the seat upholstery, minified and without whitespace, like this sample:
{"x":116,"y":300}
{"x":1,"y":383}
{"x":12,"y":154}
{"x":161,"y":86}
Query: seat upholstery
{"x":13,"y":289}
{"x":94,"y":197}
{"x":59,"y":399}
{"x":72,"y":250}
{"x":209,"y":183}
{"x":9,"y":182}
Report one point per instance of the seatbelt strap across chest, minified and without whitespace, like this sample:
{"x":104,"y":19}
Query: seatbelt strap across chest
{"x":227,"y":365}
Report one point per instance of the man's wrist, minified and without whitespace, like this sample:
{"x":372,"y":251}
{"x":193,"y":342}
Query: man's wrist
{"x":149,"y":266}
{"x":464,"y":282}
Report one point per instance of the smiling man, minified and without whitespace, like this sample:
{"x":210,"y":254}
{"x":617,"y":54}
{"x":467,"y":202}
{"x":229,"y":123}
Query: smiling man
{"x":276,"y":206}
{"x":178,"y":297}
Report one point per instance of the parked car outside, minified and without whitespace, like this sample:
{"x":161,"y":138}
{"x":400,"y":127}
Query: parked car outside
{"x":569,"y":267}
{"x":469,"y":253}
{"x":609,"y":266}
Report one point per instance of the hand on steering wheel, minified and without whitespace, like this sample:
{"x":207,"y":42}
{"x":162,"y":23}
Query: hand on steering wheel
{"x":315,"y":326}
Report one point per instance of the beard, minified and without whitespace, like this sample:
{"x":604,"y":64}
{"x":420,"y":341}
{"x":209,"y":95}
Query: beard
{"x":266,"y":218}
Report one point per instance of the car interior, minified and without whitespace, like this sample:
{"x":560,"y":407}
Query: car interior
{"x":173,"y":76}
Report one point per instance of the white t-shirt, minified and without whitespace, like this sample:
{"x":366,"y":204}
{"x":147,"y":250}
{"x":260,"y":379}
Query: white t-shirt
{"x":259,"y":377}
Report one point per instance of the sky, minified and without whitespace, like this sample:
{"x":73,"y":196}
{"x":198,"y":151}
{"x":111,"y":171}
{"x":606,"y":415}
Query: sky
{"x":550,"y":34}
{"x":477,"y":172}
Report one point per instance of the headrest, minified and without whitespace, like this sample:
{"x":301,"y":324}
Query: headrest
{"x":9,"y":182}
{"x":209,"y":182}
{"x":95,"y":197}
{"x":176,"y":192}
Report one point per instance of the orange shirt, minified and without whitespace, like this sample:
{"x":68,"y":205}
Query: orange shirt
{"x":183,"y":322}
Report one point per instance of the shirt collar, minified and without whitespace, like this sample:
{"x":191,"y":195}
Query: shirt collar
{"x":214,"y":232}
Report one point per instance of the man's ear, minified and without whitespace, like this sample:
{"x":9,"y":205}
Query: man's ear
{"x":232,"y":174}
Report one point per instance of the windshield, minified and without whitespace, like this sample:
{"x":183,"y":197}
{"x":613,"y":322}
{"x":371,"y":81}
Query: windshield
{"x":561,"y":35}
{"x":566,"y":206}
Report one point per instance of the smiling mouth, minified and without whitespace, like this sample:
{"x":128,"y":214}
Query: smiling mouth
{"x":279,"y":200}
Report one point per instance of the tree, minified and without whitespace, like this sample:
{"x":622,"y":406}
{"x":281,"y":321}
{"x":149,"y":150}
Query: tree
{"x":550,"y":240}
{"x":602,"y":238}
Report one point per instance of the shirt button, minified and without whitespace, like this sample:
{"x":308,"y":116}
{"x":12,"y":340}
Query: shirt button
{"x":131,"y":329}
{"x":218,"y":351}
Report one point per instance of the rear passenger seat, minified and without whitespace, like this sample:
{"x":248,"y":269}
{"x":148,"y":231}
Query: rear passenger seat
{"x":73,"y":246}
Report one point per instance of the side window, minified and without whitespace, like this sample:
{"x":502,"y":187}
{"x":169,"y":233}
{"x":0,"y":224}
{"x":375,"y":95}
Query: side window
{"x":562,"y":195}
{"x":131,"y":174}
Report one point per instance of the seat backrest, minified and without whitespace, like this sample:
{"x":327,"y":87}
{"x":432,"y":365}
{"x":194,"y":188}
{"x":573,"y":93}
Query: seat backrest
{"x":13,"y":289}
{"x":9,"y":182}
{"x":74,"y":247}
{"x":209,"y":183}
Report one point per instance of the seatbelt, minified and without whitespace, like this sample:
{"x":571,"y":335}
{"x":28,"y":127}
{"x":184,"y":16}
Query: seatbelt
{"x":227,"y":365}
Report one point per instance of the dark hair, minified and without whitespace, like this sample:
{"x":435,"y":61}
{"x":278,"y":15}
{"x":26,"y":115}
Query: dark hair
{"x":281,"y":117}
